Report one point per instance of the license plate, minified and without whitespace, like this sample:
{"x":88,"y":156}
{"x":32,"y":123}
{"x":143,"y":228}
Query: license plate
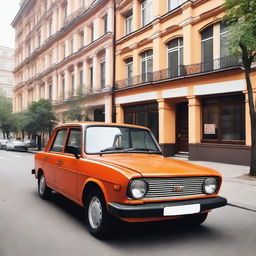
{"x":181,"y":210}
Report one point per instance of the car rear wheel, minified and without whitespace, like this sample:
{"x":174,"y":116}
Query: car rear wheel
{"x":195,"y":219}
{"x":43,"y":191}
{"x":99,"y":221}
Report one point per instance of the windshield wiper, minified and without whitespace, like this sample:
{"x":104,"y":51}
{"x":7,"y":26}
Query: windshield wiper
{"x":140,"y":149}
{"x":111,"y":149}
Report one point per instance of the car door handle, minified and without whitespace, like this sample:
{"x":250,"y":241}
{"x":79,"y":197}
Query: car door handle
{"x":45,"y":158}
{"x":59,"y":162}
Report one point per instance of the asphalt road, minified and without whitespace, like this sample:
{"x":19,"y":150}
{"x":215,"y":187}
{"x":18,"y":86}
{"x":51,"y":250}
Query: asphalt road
{"x":31,"y":226}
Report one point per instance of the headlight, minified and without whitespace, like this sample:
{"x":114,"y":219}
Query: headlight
{"x":138,"y":189}
{"x":210,"y":185}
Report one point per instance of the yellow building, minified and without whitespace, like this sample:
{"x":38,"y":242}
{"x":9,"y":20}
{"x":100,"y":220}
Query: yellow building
{"x":174,"y":75}
{"x":64,"y":52}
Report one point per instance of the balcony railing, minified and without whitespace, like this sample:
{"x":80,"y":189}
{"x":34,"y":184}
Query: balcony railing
{"x":180,"y":71}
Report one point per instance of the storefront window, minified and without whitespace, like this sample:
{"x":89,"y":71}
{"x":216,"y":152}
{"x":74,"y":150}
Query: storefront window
{"x":144,"y":115}
{"x":224,"y":119}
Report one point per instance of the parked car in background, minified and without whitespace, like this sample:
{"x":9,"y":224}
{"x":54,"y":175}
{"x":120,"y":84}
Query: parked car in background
{"x":3,"y":143}
{"x":119,"y":171}
{"x":16,"y":145}
{"x":31,"y":143}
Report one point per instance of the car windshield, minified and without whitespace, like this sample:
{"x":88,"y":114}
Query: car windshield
{"x":109,"y":139}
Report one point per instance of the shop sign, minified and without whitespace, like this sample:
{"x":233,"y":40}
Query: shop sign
{"x":209,"y":128}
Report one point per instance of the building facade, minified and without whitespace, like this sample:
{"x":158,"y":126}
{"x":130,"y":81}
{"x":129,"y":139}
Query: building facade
{"x":64,"y":53}
{"x":6,"y":67}
{"x":176,"y":76}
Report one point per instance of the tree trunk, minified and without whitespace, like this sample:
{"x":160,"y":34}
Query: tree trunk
{"x":39,"y":142}
{"x":253,"y":122}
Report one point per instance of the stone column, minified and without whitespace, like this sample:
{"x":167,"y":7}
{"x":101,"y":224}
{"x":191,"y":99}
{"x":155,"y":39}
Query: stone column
{"x":167,"y":126}
{"x":136,"y":15}
{"x":96,"y":73}
{"x":76,"y":40}
{"x":87,"y":35}
{"x":76,"y":79}
{"x":119,"y":114}
{"x":54,"y":87}
{"x":67,"y":83}
{"x":60,"y":96}
{"x":86,"y":76}
{"x":96,"y":27}
{"x":37,"y":85}
{"x":108,"y":108}
{"x":109,"y":65}
{"x":194,"y":120}
{"x":69,"y":7}
{"x":46,"y":89}
{"x":110,"y":14}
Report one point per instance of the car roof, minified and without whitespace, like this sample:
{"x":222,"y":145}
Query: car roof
{"x":86,"y":124}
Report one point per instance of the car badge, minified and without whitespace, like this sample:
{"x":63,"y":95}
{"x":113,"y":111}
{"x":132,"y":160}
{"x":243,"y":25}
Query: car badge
{"x":177,"y":188}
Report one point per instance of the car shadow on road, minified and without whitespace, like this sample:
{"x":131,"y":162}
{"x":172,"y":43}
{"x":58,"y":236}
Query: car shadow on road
{"x":136,"y":233}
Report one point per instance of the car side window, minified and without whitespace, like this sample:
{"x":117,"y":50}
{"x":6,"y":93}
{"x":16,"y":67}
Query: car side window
{"x":74,"y":140}
{"x":59,"y":141}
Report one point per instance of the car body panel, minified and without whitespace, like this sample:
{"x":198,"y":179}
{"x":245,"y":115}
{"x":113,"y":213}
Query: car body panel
{"x":112,"y":172}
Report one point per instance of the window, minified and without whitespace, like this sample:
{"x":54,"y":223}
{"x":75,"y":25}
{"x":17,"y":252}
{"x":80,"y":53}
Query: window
{"x":175,"y":57}
{"x":147,"y":65}
{"x":74,"y":140}
{"x":102,"y":74}
{"x":105,"y":19}
{"x":64,"y":50}
{"x":91,"y":76}
{"x":39,"y":39}
{"x":50,"y":92}
{"x":224,"y":118}
{"x":129,"y":70}
{"x":128,"y":23}
{"x":81,"y":77}
{"x":59,"y":141}
{"x":173,"y":4}
{"x":72,"y":46}
{"x":50,"y":28}
{"x":92,"y":32}
{"x":146,"y":12}
{"x":207,"y":49}
{"x":145,"y":115}
{"x":82,"y":39}
{"x":72,"y":85}
{"x":63,"y":88}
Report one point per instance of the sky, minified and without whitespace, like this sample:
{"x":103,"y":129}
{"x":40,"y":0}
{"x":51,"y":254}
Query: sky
{"x":8,"y":10}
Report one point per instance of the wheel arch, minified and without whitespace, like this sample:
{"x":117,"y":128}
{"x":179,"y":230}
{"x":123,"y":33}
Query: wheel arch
{"x":93,"y":184}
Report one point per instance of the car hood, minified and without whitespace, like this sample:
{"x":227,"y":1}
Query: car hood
{"x":150,"y":165}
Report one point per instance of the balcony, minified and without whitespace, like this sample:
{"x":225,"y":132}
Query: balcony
{"x":181,"y":71}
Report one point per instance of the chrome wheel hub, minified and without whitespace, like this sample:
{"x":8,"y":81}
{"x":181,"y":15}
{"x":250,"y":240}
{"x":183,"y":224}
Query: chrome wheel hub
{"x":95,"y":212}
{"x":42,"y":185}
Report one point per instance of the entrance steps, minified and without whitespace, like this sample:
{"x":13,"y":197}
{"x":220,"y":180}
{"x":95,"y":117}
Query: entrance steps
{"x":181,"y":156}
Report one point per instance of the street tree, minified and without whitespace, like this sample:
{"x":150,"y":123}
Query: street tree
{"x":6,"y":117}
{"x":241,"y":20}
{"x":39,"y":119}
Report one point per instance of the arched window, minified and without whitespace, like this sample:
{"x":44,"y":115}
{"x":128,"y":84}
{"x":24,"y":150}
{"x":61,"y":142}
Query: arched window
{"x":146,"y":65}
{"x":175,"y":57}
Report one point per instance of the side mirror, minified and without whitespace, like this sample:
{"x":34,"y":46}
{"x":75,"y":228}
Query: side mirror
{"x":73,"y":150}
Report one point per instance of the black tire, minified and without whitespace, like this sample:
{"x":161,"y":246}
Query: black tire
{"x":102,"y":227}
{"x":195,"y":219}
{"x":43,"y":191}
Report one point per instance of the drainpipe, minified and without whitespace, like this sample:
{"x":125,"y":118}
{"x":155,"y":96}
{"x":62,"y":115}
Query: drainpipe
{"x":114,"y":67}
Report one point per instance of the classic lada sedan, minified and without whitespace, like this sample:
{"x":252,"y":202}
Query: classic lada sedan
{"x":118,"y":171}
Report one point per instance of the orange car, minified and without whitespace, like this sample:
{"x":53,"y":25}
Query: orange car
{"x":118,"y":171}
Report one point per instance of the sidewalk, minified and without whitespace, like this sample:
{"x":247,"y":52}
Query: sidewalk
{"x":237,"y":186}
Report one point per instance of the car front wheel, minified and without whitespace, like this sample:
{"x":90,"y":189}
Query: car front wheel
{"x":43,"y":191}
{"x":98,"y":220}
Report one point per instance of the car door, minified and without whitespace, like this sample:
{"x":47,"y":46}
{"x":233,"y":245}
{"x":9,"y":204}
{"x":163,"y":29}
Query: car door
{"x":51,"y":157}
{"x":67,"y":164}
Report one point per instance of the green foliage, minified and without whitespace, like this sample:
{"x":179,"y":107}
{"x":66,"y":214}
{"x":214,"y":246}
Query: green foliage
{"x":75,"y":112}
{"x":241,"y":18}
{"x":7,"y":123}
{"x":39,"y":117}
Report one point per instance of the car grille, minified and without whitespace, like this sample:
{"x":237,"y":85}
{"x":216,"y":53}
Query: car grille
{"x":170,"y":187}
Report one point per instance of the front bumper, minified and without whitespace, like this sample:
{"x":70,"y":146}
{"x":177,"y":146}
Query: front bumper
{"x":148,"y":210}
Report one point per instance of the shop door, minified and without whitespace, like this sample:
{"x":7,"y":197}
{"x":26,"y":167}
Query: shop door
{"x":182,"y":127}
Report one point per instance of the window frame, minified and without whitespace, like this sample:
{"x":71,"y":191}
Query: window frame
{"x":219,"y":132}
{"x":146,"y":60}
{"x":146,"y":5}
{"x":128,"y":24}
{"x":68,"y":136}
{"x":54,"y":139}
